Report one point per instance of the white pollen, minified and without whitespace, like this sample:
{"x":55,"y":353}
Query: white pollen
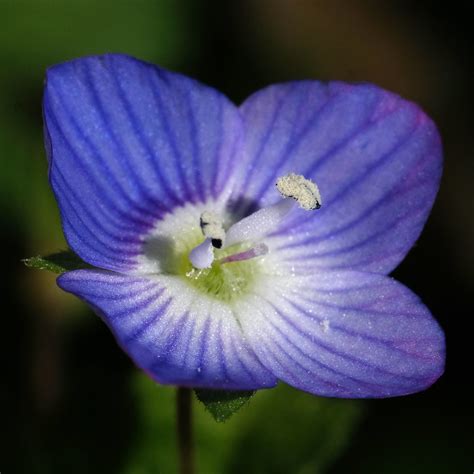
{"x":211,"y":226}
{"x":303,"y":190}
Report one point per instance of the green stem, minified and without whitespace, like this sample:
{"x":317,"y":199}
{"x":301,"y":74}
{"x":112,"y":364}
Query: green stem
{"x":185,"y":430}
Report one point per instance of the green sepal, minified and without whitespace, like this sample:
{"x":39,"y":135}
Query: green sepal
{"x":60,"y":262}
{"x":222,"y":404}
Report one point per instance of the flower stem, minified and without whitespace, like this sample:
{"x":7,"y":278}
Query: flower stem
{"x":185,"y":430}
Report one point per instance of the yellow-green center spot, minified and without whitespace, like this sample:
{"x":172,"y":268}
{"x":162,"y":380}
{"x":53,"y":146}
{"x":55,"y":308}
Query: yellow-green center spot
{"x":225,"y":282}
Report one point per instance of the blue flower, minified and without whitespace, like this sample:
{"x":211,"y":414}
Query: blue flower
{"x":211,"y":276}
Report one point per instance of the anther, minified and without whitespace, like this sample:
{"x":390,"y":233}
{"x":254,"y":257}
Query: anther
{"x":212,"y":228}
{"x":264,"y":221}
{"x":303,"y":190}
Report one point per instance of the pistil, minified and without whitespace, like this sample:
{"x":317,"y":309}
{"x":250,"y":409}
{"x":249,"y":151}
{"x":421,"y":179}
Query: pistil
{"x":259,"y":250}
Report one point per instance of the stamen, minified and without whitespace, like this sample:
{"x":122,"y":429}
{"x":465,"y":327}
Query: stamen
{"x":202,"y":256}
{"x":212,"y":228}
{"x":262,"y":222}
{"x":258,"y":224}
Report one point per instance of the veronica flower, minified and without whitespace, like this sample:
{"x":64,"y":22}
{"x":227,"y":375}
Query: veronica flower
{"x":214,"y":266}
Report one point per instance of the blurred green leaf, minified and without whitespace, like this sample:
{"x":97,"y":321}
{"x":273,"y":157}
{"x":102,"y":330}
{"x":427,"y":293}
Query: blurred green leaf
{"x":59,"y":262}
{"x":38,"y":33}
{"x":153,"y":447}
{"x":283,"y":430}
{"x":286,"y":430}
{"x":223,"y":404}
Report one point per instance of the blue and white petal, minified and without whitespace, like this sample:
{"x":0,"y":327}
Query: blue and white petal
{"x":344,"y":334}
{"x":173,"y":333}
{"x":127,"y":143}
{"x":375,"y":157}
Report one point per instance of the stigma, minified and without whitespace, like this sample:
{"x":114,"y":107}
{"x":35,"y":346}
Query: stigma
{"x":296,"y":190}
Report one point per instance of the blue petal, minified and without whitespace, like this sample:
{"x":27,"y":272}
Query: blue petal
{"x":127,"y":143}
{"x":171,"y":333}
{"x":375,"y":157}
{"x":344,"y":334}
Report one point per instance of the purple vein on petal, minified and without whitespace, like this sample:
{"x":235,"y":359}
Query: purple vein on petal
{"x":242,"y":210}
{"x":375,"y":166}
{"x":280,"y":350}
{"x":318,"y":342}
{"x":388,"y":227}
{"x":172,"y":140}
{"x":94,"y":241}
{"x":130,"y":295}
{"x":290,"y":376}
{"x":292,"y":144}
{"x":186,"y":341}
{"x":345,"y":141}
{"x":203,"y":343}
{"x":221,"y":351}
{"x":417,"y":214}
{"x":242,"y":363}
{"x":103,"y":170}
{"x":325,"y":367}
{"x":142,"y":305}
{"x":355,"y":334}
{"x":219,"y":150}
{"x":106,"y":218}
{"x":78,"y":236}
{"x":221,"y":176}
{"x":358,"y":178}
{"x":137,"y":128}
{"x":411,"y":213}
{"x":195,"y":152}
{"x":114,"y":139}
{"x":147,"y":323}
{"x":366,"y":213}
{"x":132,"y":240}
{"x":175,"y":334}
{"x":111,"y":256}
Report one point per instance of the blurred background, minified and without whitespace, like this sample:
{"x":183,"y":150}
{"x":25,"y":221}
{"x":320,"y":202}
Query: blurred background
{"x":71,"y":401}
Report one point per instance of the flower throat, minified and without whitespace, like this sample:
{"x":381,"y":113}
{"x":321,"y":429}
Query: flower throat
{"x":225,"y":263}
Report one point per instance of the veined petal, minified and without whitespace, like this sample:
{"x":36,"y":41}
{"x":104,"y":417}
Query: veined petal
{"x":127,"y":143}
{"x":375,"y":157}
{"x":344,"y":334}
{"x":177,"y":336}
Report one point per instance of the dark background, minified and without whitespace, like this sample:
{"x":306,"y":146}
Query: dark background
{"x":71,"y":401}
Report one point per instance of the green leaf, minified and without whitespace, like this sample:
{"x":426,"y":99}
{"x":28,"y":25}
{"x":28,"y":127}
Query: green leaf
{"x":223,"y":404}
{"x":59,"y":262}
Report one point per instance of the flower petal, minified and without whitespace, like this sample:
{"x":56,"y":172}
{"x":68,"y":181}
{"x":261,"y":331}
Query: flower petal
{"x":344,"y":334}
{"x":175,"y":335}
{"x":127,"y":143}
{"x":375,"y":157}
